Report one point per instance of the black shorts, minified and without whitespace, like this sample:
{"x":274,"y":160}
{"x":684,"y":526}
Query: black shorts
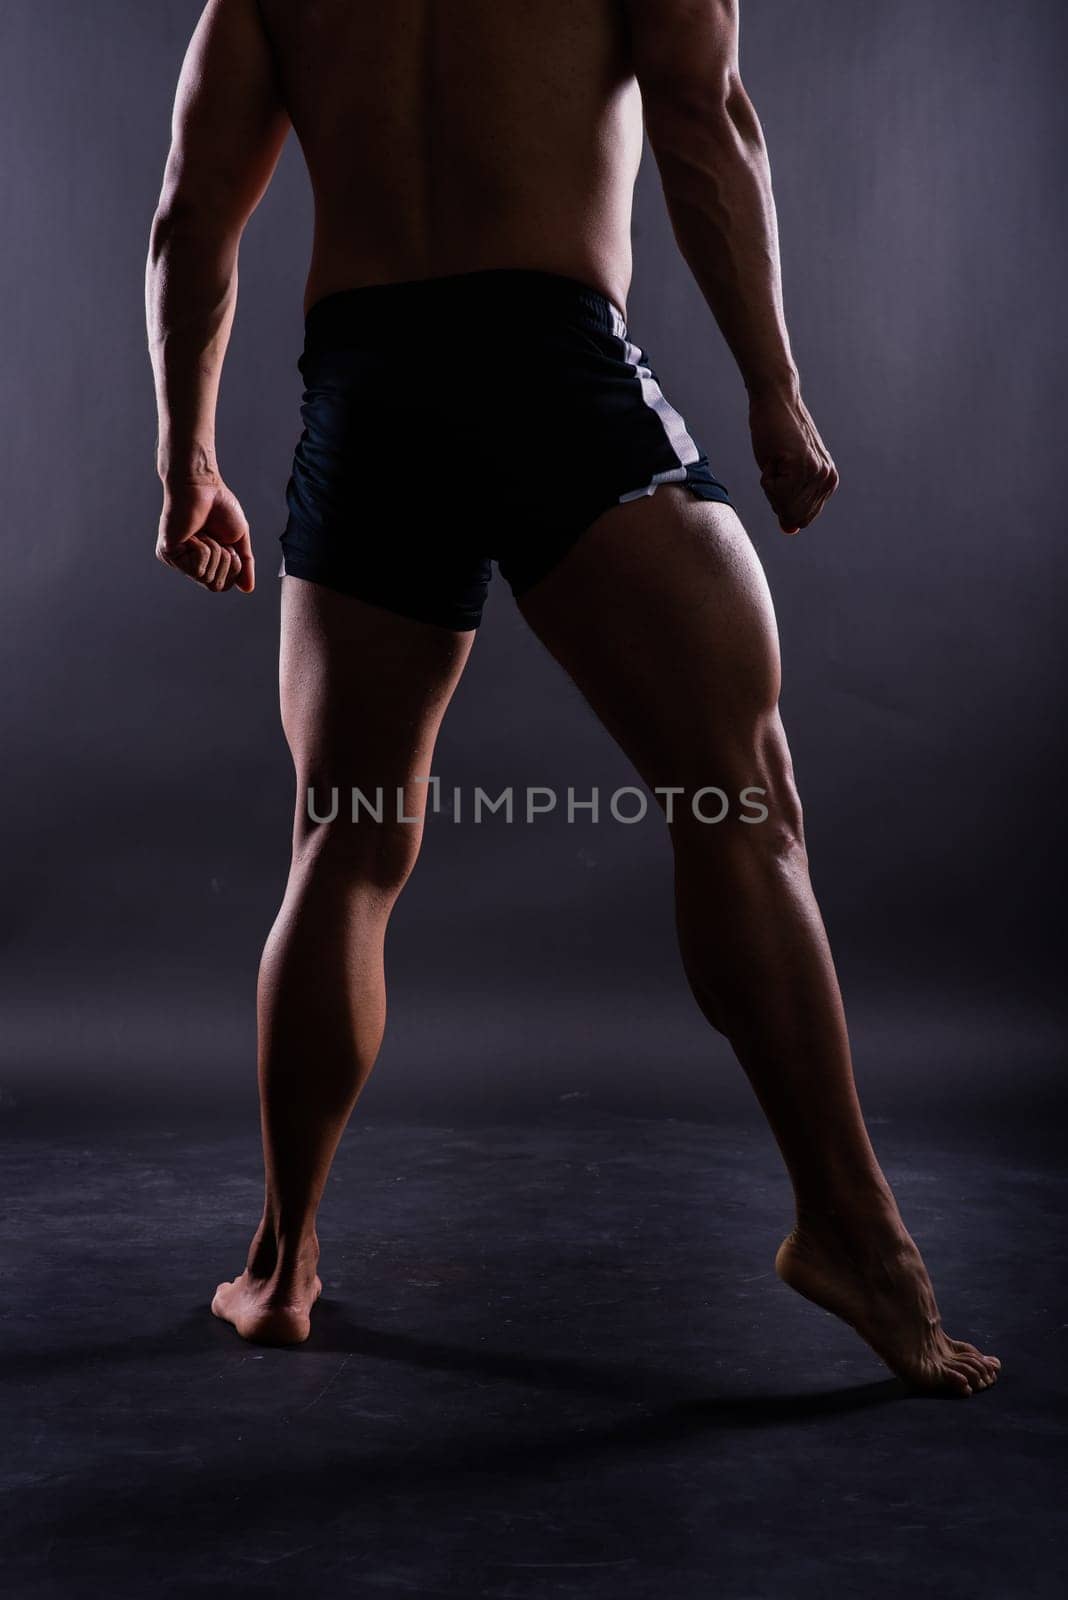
{"x":454,"y":421}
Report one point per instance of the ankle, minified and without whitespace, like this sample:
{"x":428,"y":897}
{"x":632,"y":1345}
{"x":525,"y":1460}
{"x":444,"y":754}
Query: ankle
{"x":279,"y":1250}
{"x":864,"y":1211}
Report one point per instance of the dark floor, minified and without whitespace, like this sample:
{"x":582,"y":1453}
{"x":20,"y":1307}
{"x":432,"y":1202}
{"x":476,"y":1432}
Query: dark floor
{"x":552,"y":1360}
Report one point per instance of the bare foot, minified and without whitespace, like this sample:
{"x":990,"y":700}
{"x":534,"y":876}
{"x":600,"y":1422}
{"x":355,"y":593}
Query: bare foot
{"x":271,"y":1302}
{"x":881,"y":1288}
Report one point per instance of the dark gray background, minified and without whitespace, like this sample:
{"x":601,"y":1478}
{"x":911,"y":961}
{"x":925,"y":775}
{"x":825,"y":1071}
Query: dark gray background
{"x":917,"y":151}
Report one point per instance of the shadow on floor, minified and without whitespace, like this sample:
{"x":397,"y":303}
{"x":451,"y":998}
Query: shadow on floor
{"x":334,"y":1332}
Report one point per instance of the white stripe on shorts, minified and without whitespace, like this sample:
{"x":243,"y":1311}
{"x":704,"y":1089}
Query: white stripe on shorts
{"x":673,"y":475}
{"x":675,"y":428}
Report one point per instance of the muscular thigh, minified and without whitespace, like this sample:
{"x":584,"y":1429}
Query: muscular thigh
{"x":661,"y":614}
{"x":363,"y":690}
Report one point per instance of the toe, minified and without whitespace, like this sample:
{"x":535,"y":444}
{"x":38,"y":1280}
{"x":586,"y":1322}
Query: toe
{"x":969,"y":1352}
{"x":965,"y":1378}
{"x":988,"y":1364}
{"x":220,"y":1298}
{"x":973,"y":1367}
{"x":955,"y":1381}
{"x":961,"y":1347}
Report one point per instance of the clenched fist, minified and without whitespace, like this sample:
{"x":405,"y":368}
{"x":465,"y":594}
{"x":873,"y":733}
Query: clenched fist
{"x":796,"y":471}
{"x":203,"y":533}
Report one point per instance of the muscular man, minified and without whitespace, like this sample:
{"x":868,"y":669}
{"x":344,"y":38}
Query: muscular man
{"x":473,"y":393}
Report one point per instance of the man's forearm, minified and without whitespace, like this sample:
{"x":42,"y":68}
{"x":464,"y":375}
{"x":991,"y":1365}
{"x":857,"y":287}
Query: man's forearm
{"x":717,"y":183}
{"x":190,"y":296}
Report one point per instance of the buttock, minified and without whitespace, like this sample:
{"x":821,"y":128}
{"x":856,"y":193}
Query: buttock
{"x":453,"y":422}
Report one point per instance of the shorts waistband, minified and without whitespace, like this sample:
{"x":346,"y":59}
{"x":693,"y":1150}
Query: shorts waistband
{"x":374,"y":311}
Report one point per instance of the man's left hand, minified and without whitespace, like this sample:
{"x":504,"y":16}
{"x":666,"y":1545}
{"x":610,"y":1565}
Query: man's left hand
{"x":203,"y":533}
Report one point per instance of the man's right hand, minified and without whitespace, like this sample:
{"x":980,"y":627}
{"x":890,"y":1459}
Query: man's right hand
{"x":796,"y":471}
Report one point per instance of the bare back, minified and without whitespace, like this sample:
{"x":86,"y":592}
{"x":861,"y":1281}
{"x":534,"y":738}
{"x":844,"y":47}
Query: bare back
{"x":452,"y":135}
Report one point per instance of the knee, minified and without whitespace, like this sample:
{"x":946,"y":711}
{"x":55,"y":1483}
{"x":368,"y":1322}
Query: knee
{"x":758,"y":819}
{"x":365,"y":854}
{"x":737,"y":890}
{"x":776,"y":834}
{"x":736,"y":852}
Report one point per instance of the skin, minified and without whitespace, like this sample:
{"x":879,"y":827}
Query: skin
{"x":479,"y":136}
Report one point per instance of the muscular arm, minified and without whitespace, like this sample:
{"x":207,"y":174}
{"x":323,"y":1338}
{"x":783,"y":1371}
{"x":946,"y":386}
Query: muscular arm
{"x":713,"y":164}
{"x":228,"y":130}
